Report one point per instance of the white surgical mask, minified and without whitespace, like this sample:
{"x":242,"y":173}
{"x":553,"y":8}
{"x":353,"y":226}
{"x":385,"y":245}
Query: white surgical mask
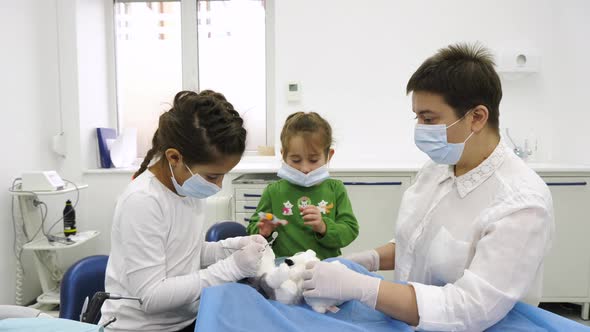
{"x":195,"y":186}
{"x":297,"y":177}
{"x":432,"y":140}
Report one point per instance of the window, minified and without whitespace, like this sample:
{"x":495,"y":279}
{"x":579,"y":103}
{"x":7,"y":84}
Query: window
{"x":154,"y":40}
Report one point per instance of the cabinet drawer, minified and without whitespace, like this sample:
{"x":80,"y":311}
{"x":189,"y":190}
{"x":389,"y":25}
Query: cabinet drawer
{"x":374,"y":181}
{"x":249,"y":194}
{"x":243,"y":218}
{"x":246,"y":206}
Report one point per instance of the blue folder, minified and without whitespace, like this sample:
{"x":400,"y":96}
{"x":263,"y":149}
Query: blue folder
{"x":102,"y":135}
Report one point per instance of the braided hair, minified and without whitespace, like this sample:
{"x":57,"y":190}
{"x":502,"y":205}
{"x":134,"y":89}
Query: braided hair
{"x":201,"y":126}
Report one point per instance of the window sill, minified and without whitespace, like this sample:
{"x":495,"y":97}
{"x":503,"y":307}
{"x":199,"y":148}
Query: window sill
{"x":248,"y":164}
{"x":124,"y":170}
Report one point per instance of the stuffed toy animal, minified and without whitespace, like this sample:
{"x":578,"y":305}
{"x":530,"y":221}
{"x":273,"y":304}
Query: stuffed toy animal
{"x":284,"y":283}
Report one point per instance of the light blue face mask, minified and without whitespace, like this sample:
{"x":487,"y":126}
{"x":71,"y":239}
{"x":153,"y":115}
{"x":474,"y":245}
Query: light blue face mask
{"x":195,"y":186}
{"x":432,"y":140}
{"x":299,"y":178}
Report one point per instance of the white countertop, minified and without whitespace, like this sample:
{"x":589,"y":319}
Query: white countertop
{"x":272,"y":164}
{"x":555,"y":167}
{"x":260,"y":164}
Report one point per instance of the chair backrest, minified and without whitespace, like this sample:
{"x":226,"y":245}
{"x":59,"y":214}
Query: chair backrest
{"x":81,"y":280}
{"x":225,"y":229}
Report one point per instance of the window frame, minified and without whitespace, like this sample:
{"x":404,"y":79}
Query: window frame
{"x":190,"y":51}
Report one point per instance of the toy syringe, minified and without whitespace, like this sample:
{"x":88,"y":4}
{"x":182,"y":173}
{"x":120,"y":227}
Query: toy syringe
{"x":271,"y":217}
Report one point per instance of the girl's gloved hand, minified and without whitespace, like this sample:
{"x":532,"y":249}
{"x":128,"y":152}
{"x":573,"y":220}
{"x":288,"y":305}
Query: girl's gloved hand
{"x":243,"y":263}
{"x":337,"y":282}
{"x":247,"y":260}
{"x":236,"y":243}
{"x":246,"y":240}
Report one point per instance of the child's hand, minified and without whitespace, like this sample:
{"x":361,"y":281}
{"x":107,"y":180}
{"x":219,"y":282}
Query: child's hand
{"x":266,"y":227}
{"x":313,"y":218}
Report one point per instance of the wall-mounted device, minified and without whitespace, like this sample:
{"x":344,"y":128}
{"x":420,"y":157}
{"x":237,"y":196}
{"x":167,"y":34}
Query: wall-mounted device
{"x":516,"y":64}
{"x":293,"y":92}
{"x":42,"y":181}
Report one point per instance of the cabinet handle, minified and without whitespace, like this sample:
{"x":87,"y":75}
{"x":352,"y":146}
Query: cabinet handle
{"x":246,"y":219}
{"x":249,"y":207}
{"x":252,"y":195}
{"x":567,"y":184}
{"x":372,"y":183}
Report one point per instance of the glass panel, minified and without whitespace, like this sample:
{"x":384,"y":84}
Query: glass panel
{"x":149,"y":64}
{"x":232,"y":59}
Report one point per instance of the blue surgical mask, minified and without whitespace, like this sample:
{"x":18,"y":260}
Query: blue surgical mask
{"x":195,"y":186}
{"x":432,"y":140}
{"x":299,"y":178}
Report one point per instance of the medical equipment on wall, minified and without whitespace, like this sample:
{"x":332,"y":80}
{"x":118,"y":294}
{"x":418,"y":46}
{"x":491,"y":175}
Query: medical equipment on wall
{"x":294,"y":92}
{"x":32,"y":233}
{"x":514,"y":64}
{"x":42,"y":181}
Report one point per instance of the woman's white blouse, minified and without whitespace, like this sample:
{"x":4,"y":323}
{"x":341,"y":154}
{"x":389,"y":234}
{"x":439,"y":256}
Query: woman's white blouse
{"x":473,"y":245}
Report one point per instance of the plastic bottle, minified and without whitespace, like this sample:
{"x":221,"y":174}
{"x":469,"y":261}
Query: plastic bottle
{"x":69,"y":219}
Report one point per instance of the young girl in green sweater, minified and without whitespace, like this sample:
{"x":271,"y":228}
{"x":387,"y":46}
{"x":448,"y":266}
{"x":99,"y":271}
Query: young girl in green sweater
{"x":317,"y":209}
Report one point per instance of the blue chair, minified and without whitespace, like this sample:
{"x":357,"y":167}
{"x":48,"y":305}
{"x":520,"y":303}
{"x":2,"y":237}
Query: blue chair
{"x":81,"y":280}
{"x":225,"y":229}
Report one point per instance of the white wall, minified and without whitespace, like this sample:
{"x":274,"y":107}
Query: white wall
{"x":354,"y":59}
{"x":570,"y":69}
{"x":29,"y":91}
{"x":94,"y":94}
{"x":86,"y":68}
{"x":43,"y":73}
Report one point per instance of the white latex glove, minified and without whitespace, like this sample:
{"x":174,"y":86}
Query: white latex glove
{"x":337,"y":282}
{"x":241,"y":264}
{"x":236,"y":243}
{"x":249,"y":257}
{"x":368,"y":258}
{"x":215,"y":251}
{"x":322,"y":305}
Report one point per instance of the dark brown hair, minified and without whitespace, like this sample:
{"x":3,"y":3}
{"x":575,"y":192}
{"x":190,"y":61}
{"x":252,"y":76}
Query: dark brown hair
{"x":307,"y":123}
{"x":464,"y":76}
{"x":201,"y":126}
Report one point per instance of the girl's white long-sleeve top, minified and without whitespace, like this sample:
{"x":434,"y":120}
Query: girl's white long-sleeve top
{"x":158,"y":254}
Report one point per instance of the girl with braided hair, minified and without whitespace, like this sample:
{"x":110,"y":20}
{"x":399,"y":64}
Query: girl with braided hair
{"x":158,"y":251}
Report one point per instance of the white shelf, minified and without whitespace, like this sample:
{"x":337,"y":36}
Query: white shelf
{"x":43,"y":244}
{"x":49,"y":297}
{"x":68,"y":188}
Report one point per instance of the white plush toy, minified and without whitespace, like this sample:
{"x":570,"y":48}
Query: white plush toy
{"x":285,"y":282}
